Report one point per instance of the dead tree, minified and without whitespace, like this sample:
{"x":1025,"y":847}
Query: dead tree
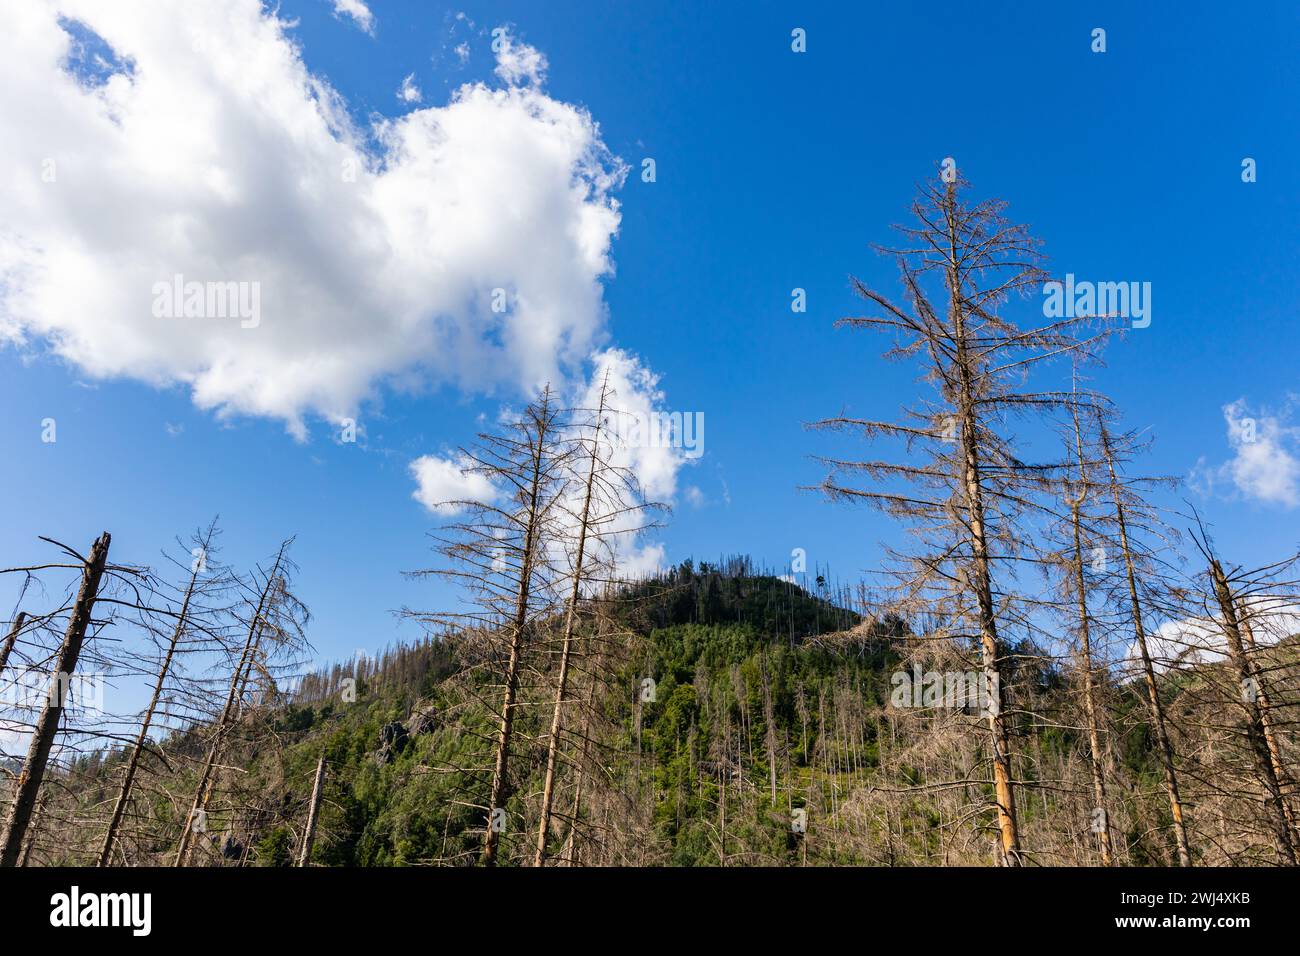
{"x":502,"y":555}
{"x":11,"y":639}
{"x":313,"y":812}
{"x":1122,"y":499}
{"x":1228,"y":591}
{"x":610,"y":507}
{"x":268,"y":588}
{"x":47,"y":725}
{"x":570,"y":623}
{"x":184,"y":622}
{"x":1078,"y":492}
{"x":971,"y":487}
{"x":1266,"y":704}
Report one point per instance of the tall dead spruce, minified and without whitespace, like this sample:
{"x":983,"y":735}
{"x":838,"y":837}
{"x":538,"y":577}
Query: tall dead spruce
{"x":1078,"y":492}
{"x":47,"y":725}
{"x":606,"y":505}
{"x":189,"y":629}
{"x":273,"y":627}
{"x":1232,"y":593}
{"x":967,"y":488}
{"x":1127,"y":503}
{"x":501,"y":554}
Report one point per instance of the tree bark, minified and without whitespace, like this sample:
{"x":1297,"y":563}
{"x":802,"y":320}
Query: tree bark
{"x":309,"y":836}
{"x":1284,"y":778}
{"x":990,"y":645}
{"x":11,"y":639}
{"x":47,"y":725}
{"x":1250,"y":703}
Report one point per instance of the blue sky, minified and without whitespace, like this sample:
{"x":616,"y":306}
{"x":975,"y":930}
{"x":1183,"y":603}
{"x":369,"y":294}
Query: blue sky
{"x":775,"y":170}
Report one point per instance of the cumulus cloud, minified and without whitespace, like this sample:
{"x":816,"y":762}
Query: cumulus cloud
{"x":358,"y":12}
{"x":441,"y":483}
{"x":408,"y":92}
{"x":656,"y":461}
{"x":518,"y":62}
{"x":1191,"y":641}
{"x":655,"y":457}
{"x":462,"y":244}
{"x":1264,"y":466}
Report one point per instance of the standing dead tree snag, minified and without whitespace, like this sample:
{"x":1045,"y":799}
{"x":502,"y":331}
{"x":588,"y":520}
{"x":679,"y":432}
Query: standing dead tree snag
{"x":313,"y":813}
{"x":1078,"y":493}
{"x":269,"y":591}
{"x":1230,"y":592}
{"x":1124,"y":500}
{"x":188,"y":633}
{"x":607,"y":506}
{"x":47,"y":725}
{"x":502,"y":554}
{"x":967,"y":498}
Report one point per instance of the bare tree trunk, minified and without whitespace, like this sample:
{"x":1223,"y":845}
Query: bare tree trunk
{"x":203,"y":792}
{"x":1090,"y":706}
{"x":34,"y":830}
{"x":309,"y":836}
{"x":769,"y":719}
{"x":1091,"y":710}
{"x":990,"y":646}
{"x":11,"y":639}
{"x":1149,"y":674}
{"x":566,"y":651}
{"x":142,"y":739}
{"x":47,"y":726}
{"x":1250,"y":702}
{"x":491,"y":835}
{"x":571,"y":841}
{"x":1285,"y":782}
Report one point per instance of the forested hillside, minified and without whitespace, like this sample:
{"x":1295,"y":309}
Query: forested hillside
{"x":760,"y":710}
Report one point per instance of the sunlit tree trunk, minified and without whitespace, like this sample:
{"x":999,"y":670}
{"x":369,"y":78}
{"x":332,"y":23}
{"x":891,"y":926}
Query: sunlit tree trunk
{"x":47,"y":725}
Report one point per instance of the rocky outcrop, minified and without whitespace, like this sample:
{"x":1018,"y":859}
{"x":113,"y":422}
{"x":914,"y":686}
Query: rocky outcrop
{"x":393,"y":739}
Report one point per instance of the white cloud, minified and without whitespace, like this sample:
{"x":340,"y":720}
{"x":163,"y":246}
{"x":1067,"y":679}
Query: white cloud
{"x":462,"y":52}
{"x":408,"y":92}
{"x":636,"y":396}
{"x":694,"y":497}
{"x":518,"y":62}
{"x":1199,"y":640}
{"x":376,"y":252}
{"x":1264,"y":467}
{"x":627,"y":543}
{"x":358,"y":11}
{"x":634,"y":392}
{"x":441,"y":482}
